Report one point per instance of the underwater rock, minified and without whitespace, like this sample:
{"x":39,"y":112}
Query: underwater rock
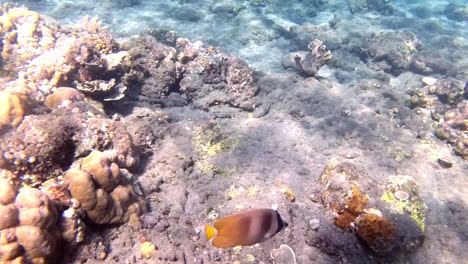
{"x":457,"y":12}
{"x":394,"y":226}
{"x":378,"y":232}
{"x":382,"y":6}
{"x":428,"y":61}
{"x":391,"y":52}
{"x":312,"y":61}
{"x":226,"y":7}
{"x":409,"y":210}
{"x":157,"y":73}
{"x":206,"y":76}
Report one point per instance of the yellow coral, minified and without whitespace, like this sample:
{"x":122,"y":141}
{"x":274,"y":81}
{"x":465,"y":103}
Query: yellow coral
{"x":146,"y":249}
{"x":12,"y":109}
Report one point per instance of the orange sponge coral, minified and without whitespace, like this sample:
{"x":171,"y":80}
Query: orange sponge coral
{"x":353,"y":207}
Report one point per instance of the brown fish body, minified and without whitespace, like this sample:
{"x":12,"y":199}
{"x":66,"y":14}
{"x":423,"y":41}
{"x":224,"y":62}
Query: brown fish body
{"x":245,"y":228}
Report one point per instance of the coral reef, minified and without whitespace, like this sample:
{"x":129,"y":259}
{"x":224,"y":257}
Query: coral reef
{"x":39,"y":56}
{"x":58,"y":147}
{"x":449,"y":109}
{"x":204,"y":75}
{"x":312,"y":61}
{"x":28,"y":230}
{"x":102,"y":191}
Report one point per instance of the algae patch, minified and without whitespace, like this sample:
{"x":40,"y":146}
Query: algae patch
{"x":209,"y":143}
{"x":412,"y":204}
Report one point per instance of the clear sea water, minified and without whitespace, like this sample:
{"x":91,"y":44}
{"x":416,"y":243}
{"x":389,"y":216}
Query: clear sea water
{"x":262,"y":32}
{"x":258,"y":30}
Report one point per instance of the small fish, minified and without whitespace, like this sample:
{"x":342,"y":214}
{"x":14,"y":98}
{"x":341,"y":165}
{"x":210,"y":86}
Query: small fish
{"x":244,"y":228}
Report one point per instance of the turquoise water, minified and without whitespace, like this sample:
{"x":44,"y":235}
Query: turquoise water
{"x":391,"y":100}
{"x":261,"y":31}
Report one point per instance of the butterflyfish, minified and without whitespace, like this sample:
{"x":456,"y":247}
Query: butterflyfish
{"x":244,"y":228}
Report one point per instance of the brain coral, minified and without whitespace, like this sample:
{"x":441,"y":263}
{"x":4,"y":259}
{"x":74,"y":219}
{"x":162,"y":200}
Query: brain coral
{"x":27,"y":227}
{"x":102,"y":192}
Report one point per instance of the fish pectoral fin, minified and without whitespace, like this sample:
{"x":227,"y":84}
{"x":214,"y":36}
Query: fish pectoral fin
{"x":210,"y":232}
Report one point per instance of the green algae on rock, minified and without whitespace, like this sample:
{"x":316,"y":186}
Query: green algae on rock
{"x":209,"y":143}
{"x":399,"y":187}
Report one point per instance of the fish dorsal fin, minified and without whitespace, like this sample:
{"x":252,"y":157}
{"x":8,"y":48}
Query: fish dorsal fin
{"x":210,"y":232}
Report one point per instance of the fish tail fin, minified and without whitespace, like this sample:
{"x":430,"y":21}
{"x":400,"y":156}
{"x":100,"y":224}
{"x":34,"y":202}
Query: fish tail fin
{"x":210,"y":232}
